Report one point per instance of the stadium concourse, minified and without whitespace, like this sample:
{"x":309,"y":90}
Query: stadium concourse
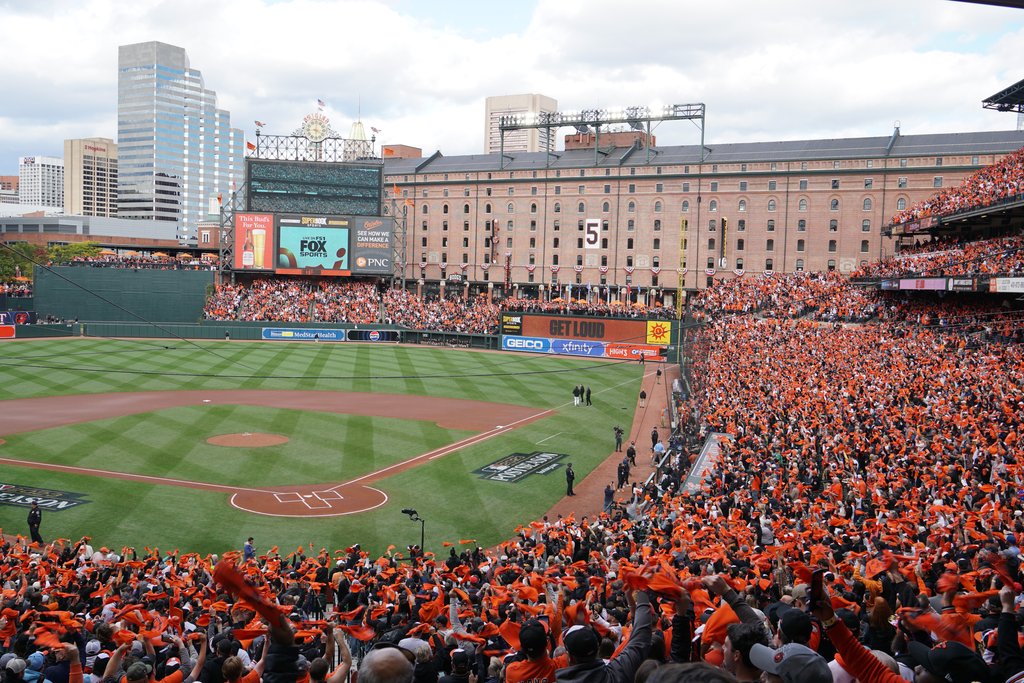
{"x":860,"y":521}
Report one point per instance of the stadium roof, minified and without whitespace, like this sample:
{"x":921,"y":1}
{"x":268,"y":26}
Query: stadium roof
{"x":1008,"y":99}
{"x":895,"y":146}
{"x":1016,"y":4}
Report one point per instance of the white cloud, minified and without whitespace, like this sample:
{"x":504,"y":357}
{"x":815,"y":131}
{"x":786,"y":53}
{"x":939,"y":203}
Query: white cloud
{"x":766,"y":70}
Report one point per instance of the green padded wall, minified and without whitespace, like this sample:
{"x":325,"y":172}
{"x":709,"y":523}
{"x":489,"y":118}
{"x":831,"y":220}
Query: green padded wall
{"x":156,"y":295}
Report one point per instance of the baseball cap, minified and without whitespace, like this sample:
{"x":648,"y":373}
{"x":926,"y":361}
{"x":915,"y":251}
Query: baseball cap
{"x":581,"y":642}
{"x":795,"y":624}
{"x":950,"y":660}
{"x":532,"y":637}
{"x":92,"y":647}
{"x":460,"y":657}
{"x":793,"y":663}
{"x":139,"y":671}
{"x":35,"y":661}
{"x":16,"y":666}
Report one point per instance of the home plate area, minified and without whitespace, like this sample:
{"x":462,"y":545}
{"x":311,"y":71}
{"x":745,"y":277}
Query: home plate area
{"x":318,"y":500}
{"x":310,"y":501}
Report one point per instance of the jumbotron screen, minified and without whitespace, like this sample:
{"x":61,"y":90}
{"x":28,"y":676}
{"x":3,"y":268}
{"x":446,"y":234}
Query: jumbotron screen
{"x":305,"y":187}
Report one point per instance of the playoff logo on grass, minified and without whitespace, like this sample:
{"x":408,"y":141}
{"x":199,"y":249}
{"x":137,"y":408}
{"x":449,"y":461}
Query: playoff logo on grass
{"x":48,"y":499}
{"x":517,"y":466}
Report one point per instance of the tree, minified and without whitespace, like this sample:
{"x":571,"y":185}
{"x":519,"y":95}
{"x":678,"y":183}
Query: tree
{"x":17,"y":258}
{"x":66,"y":253}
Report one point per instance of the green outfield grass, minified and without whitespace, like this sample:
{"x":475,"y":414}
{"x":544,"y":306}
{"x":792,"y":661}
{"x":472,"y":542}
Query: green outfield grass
{"x":323,"y":447}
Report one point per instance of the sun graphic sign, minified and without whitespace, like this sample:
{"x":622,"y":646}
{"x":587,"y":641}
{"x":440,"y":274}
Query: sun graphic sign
{"x":659,"y":332}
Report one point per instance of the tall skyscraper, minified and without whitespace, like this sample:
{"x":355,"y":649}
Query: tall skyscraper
{"x":41,"y":181}
{"x":176,"y":149}
{"x":90,"y":177}
{"x":530,"y":140}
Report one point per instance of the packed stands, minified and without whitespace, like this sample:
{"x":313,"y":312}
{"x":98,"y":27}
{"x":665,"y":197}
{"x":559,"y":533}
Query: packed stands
{"x":615,"y":309}
{"x":302,"y":300}
{"x":16,"y":289}
{"x":141,"y":261}
{"x":827,"y":297}
{"x":991,"y":185}
{"x":952,"y":256}
{"x":893,"y":465}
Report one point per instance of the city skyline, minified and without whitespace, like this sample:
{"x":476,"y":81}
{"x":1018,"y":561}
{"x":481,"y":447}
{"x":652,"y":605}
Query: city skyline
{"x":420,"y":72}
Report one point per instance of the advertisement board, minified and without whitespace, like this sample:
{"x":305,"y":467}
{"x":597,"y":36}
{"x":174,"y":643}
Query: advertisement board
{"x":6,"y":331}
{"x":927,"y":283}
{"x":302,"y":334}
{"x":313,"y":245}
{"x":1009,"y":285}
{"x":633,"y":351}
{"x":584,"y":328}
{"x":575,"y":347}
{"x":530,"y":344}
{"x":373,"y":336}
{"x":370,"y":250}
{"x":511,"y":323}
{"x":17,"y":317}
{"x":962,"y":284}
{"x":254,"y":241}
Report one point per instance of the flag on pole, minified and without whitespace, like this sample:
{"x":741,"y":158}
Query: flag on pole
{"x":260,"y":124}
{"x":375,"y":130}
{"x":320,"y":103}
{"x":394,"y":189}
{"x":249,"y":146}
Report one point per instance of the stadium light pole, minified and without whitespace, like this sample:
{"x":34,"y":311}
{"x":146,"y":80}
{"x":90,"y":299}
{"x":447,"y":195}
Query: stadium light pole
{"x":415,"y":517}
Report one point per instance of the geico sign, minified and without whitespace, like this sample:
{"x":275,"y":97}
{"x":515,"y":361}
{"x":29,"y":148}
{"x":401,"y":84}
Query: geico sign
{"x":533,"y":344}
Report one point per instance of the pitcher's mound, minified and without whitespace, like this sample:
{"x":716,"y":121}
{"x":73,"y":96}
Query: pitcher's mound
{"x":247,"y":440}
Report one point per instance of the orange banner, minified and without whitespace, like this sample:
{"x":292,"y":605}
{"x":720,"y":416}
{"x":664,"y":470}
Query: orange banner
{"x":633,"y":351}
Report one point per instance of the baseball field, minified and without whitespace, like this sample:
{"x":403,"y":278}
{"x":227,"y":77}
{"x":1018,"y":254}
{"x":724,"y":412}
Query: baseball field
{"x":197,"y":446}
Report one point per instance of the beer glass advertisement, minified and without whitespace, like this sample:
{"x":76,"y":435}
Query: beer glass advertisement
{"x":313,"y":245}
{"x":254,"y":241}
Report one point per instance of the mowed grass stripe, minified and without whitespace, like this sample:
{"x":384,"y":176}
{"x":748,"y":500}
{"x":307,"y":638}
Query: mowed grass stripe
{"x":324,"y":448}
{"x":406,"y":366}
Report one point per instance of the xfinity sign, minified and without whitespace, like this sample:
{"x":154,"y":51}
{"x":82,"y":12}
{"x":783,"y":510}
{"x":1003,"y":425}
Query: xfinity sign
{"x":530,"y":344}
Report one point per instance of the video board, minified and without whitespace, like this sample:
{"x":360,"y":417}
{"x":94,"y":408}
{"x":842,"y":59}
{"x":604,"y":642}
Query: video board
{"x":312,"y":245}
{"x":309,"y":187}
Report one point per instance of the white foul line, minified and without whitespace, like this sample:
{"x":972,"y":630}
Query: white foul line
{"x":549,"y":438}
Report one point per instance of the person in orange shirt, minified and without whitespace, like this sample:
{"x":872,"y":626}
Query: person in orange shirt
{"x":535,"y":665}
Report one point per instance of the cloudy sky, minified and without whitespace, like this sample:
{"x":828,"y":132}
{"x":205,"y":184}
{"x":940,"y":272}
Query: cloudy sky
{"x":421,"y":69}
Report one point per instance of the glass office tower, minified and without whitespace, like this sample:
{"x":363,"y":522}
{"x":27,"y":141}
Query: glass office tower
{"x":176,"y":149}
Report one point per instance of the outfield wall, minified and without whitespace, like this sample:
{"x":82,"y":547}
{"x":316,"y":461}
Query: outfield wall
{"x":261,"y":330}
{"x":69,"y":292}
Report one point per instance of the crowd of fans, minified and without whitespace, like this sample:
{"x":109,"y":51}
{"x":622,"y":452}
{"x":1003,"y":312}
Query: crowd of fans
{"x":16,"y":289}
{"x":615,"y":309}
{"x":303,"y":300}
{"x":137,"y":261}
{"x":826,"y":297}
{"x":952,"y":257}
{"x":990,"y":185}
{"x":882,"y":460}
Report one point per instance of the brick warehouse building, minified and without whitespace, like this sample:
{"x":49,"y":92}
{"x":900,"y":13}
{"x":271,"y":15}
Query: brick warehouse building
{"x":809,"y":205}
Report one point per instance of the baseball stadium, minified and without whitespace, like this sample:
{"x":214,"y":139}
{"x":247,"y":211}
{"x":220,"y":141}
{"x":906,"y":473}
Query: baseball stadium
{"x":311,"y":450}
